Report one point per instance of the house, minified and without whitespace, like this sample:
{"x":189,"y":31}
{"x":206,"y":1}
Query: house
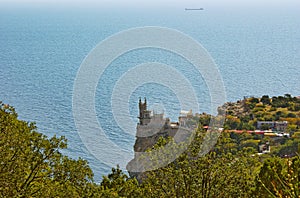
{"x":279,"y":126}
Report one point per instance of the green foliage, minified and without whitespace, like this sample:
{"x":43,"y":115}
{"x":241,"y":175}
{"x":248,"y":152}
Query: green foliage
{"x":250,"y":143}
{"x":204,"y":119}
{"x":257,"y":109}
{"x":217,"y":174}
{"x":288,"y":149}
{"x":294,"y":107}
{"x":31,"y":164}
{"x":232,"y":122}
{"x":243,"y":115}
{"x":265,"y":100}
{"x":291,"y":115}
{"x":117,"y":184}
{"x":208,"y":176}
{"x":279,"y":178}
{"x":280,"y":101}
{"x":231,"y":168}
{"x":296,"y":135}
{"x":254,"y":100}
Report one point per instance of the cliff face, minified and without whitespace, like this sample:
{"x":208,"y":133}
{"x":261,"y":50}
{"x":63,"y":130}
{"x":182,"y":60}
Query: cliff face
{"x":143,"y":143}
{"x":140,"y":146}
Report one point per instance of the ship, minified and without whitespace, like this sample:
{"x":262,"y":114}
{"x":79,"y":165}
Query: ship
{"x":188,"y":9}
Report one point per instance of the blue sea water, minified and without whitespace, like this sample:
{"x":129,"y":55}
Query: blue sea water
{"x":256,"y":51}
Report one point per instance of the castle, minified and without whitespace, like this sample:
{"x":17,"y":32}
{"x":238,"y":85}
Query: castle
{"x":151,"y":127}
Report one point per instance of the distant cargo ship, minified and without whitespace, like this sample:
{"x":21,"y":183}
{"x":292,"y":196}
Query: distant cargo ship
{"x":187,"y":9}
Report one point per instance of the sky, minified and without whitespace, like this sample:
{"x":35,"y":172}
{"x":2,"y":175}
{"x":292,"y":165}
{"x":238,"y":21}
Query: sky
{"x":152,"y":3}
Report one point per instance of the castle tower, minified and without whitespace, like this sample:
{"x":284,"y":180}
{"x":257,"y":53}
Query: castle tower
{"x":144,"y":114}
{"x":148,"y":131}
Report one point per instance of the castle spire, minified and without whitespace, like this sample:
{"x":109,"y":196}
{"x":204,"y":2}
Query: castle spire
{"x":144,"y":114}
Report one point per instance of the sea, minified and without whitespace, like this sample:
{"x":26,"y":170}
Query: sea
{"x":255,"y":50}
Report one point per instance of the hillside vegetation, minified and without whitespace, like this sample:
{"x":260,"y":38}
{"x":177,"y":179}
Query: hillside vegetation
{"x":244,"y":114}
{"x":31,"y":164}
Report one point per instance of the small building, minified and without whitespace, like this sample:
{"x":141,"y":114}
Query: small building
{"x":264,"y":148}
{"x":184,"y":117}
{"x":280,"y":126}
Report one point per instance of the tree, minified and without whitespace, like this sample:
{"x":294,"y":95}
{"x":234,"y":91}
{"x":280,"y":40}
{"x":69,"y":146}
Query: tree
{"x":216,"y":174}
{"x":32,"y":165}
{"x":254,"y":100}
{"x":289,"y":148}
{"x":265,"y":100}
{"x":117,"y":184}
{"x":204,"y":119}
{"x":288,"y":96}
{"x":279,"y":178}
{"x":232,"y":122}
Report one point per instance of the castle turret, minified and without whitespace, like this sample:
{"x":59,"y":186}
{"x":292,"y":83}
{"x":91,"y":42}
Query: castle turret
{"x":144,"y":113}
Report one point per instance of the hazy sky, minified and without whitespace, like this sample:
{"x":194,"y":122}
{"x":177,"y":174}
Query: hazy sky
{"x":152,"y":3}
